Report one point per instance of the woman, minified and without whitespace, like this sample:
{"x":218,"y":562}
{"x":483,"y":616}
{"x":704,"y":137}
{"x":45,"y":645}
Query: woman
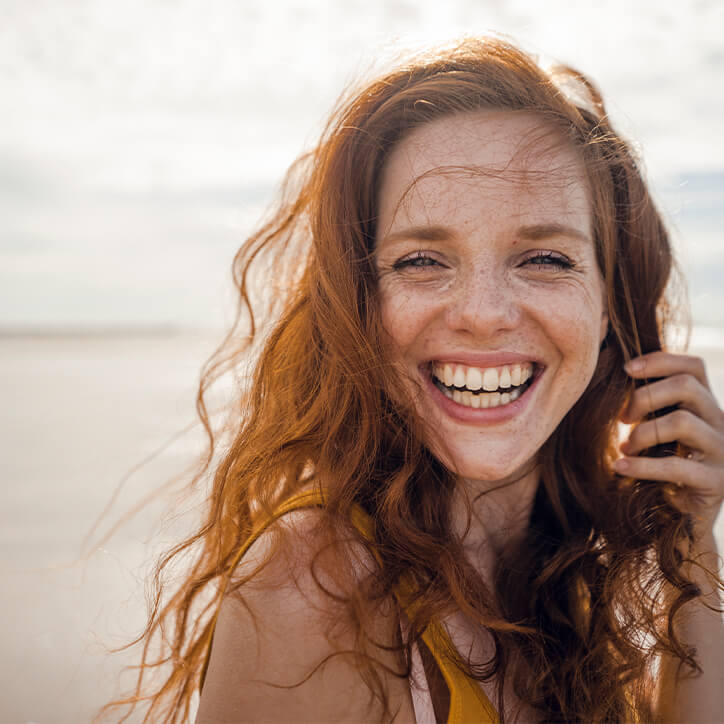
{"x":424,"y":513}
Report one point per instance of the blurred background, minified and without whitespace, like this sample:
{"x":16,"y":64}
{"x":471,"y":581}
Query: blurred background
{"x":140,"y":142}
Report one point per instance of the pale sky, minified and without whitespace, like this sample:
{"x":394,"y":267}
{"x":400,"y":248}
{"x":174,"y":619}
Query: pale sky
{"x":141,"y":139}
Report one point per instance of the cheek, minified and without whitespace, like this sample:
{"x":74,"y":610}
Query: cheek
{"x":405,"y":319}
{"x":577,"y":317}
{"x":579,"y":340}
{"x":395,"y":323}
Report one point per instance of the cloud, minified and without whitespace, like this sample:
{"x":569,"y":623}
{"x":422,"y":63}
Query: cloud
{"x":162,"y":125}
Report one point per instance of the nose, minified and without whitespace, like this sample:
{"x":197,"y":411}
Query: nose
{"x":484,"y":305}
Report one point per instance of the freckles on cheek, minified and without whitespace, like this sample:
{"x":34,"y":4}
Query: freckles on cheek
{"x":402,"y":315}
{"x":573,"y":323}
{"x":582,"y":343}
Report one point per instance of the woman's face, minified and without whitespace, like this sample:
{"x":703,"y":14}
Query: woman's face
{"x":489,"y":288}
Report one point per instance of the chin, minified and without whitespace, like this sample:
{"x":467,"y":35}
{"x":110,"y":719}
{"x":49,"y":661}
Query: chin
{"x":484,"y":471}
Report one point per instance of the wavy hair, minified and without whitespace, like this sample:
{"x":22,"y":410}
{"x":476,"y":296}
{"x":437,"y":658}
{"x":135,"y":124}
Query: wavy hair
{"x":586,"y":602}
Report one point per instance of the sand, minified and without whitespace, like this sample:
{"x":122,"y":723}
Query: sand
{"x":78,"y":413}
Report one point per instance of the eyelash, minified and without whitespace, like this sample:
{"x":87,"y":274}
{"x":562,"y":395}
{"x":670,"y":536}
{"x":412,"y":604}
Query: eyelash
{"x":550,"y":258}
{"x":414,"y":261}
{"x":420,"y":260}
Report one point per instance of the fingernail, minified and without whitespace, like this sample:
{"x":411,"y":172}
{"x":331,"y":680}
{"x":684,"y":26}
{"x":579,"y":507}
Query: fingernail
{"x":634,"y":365}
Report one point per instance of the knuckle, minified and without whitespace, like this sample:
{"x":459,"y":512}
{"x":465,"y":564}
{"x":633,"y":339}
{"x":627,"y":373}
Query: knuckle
{"x":699,"y":365}
{"x":681,"y":418}
{"x":642,"y":436}
{"x":689,"y":384}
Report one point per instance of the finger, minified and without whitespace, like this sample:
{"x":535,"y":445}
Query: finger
{"x":665,"y":364}
{"x":682,"y":389}
{"x":678,"y":426}
{"x":693,"y":491}
{"x":671,"y":469}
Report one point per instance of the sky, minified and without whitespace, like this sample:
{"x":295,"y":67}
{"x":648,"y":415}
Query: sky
{"x":142,"y":140}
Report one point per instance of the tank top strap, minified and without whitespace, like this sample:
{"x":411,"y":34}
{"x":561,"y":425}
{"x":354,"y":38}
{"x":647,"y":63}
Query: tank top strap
{"x":468,"y":701}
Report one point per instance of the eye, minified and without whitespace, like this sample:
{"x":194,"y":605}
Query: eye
{"x":549,"y":259}
{"x":415,"y":261}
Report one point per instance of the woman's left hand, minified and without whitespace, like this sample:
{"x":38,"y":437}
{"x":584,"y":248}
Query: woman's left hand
{"x":697,"y":423}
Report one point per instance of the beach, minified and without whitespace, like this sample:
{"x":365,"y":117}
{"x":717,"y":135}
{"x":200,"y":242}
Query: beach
{"x":79,"y":413}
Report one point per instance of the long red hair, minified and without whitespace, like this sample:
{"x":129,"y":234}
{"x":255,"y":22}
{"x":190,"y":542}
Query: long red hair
{"x":317,"y":408}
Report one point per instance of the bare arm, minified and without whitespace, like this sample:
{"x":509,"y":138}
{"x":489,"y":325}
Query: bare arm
{"x":276,"y":655}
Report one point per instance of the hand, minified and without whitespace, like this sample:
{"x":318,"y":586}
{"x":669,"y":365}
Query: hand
{"x":698,"y":424}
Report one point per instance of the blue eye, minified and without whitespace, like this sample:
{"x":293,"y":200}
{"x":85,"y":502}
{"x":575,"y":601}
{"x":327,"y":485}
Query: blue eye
{"x":417,"y":260}
{"x":549,"y":259}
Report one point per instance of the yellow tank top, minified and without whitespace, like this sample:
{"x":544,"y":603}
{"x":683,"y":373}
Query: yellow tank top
{"x":468,"y":702}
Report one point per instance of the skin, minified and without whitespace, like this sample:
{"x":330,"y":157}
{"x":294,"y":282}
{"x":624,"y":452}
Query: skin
{"x":480,"y":300}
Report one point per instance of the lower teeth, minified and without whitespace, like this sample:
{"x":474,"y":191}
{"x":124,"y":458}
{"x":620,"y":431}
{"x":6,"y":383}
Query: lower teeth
{"x":482,"y":400}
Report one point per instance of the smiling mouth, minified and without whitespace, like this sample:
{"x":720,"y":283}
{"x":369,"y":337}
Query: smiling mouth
{"x":482,"y":388}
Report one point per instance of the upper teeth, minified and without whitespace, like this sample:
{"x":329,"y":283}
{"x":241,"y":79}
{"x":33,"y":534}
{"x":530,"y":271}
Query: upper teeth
{"x":488,"y":378}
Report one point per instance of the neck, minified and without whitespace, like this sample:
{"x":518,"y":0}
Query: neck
{"x":488,"y":515}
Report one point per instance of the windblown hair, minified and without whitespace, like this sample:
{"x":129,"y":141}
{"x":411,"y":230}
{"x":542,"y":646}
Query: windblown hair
{"x":318,"y":408}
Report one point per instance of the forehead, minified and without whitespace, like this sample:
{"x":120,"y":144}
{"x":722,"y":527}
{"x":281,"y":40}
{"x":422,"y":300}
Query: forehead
{"x":492,"y":161}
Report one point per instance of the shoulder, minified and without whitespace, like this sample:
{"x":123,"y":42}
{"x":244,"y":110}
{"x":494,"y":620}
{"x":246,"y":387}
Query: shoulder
{"x":286,"y":645}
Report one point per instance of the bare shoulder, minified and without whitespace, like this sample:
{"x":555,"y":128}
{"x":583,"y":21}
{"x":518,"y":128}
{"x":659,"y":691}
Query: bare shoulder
{"x":284,"y":646}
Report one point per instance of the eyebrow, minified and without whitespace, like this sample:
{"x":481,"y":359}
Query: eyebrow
{"x":536,"y":232}
{"x":423,"y":233}
{"x":530,"y":232}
